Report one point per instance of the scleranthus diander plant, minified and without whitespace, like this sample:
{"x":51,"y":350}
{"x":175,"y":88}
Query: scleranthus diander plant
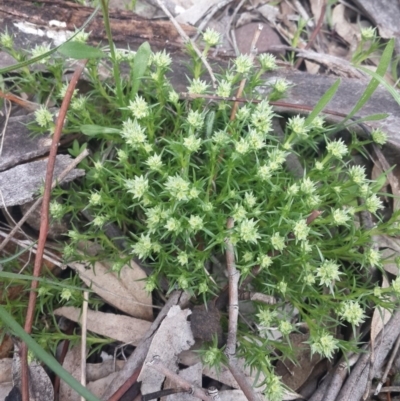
{"x":170,"y":172}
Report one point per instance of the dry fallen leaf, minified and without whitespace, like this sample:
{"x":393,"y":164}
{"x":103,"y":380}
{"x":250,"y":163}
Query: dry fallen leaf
{"x":125,"y":292}
{"x":119,"y":327}
{"x":40,"y":386}
{"x":173,"y":336}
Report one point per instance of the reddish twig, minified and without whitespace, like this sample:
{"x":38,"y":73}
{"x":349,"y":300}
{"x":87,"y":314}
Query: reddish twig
{"x":126,"y":386}
{"x":314,"y":33}
{"x":44,"y":225}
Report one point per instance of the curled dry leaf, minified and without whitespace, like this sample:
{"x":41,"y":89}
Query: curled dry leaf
{"x":119,"y":327}
{"x":125,"y":292}
{"x":173,"y":337}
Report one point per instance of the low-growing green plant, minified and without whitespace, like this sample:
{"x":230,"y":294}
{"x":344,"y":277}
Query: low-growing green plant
{"x":170,"y":172}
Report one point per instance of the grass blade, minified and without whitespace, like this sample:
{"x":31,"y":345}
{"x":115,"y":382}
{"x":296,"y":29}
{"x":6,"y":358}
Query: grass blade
{"x":50,"y":52}
{"x":139,"y":67}
{"x":45,"y":357}
{"x":380,"y":72}
{"x":325,"y":99}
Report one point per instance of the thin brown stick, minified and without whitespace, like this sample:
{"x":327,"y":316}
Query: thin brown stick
{"x":314,"y":33}
{"x":59,"y":179}
{"x":233,"y":277}
{"x":126,"y":386}
{"x":44,"y":225}
{"x":193,"y":390}
{"x":187,"y":39}
{"x":253,"y":52}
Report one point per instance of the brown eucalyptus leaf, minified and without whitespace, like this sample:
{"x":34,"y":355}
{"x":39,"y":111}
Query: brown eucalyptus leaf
{"x":380,"y":317}
{"x":124,"y":291}
{"x":294,"y":375}
{"x":173,"y":336}
{"x":119,"y":327}
{"x":391,"y":249}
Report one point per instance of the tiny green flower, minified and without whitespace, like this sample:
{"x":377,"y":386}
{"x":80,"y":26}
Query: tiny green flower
{"x":324,"y":344}
{"x":138,"y":186}
{"x":68,"y":251}
{"x":239,"y":213}
{"x":255,"y":140}
{"x":173,"y":97}
{"x":293,"y":190}
{"x":224,"y":88}
{"x":267,"y":62}
{"x":99,"y":220}
{"x":248,"y":231}
{"x":301,"y":230}
{"x":161,"y":60}
{"x":79,"y":103}
{"x":198,"y":86}
{"x":207,"y":206}
{"x":183,"y":282}
{"x":173,"y":225}
{"x":337,"y":149}
{"x":211,"y":37}
{"x":191,"y":143}
{"x":133,"y":133}
{"x":194,"y":193}
{"x":66,"y":294}
{"x":39,"y":50}
{"x":285,"y":327}
{"x":243,"y":113}
{"x":282,"y":287}
{"x":196,"y":223}
{"x":95,"y":199}
{"x":297,"y":125}
{"x":278,"y":242}
{"x":396,"y":285}
{"x":352,"y":312}
{"x":220,"y":138}
{"x":357,"y":174}
{"x":373,"y":203}
{"x":261,"y":118}
{"x":264,"y":172}
{"x":122,"y":155}
{"x":281,"y":85}
{"x":64,"y":89}
{"x":117,"y":266}
{"x":340,"y":217}
{"x":151,"y":284}
{"x":211,"y":356}
{"x":74,"y":235}
{"x":139,"y":107}
{"x":143,"y":247}
{"x":305,"y":247}
{"x":243,"y":64}
{"x":274,"y":389}
{"x":378,"y":291}
{"x":156,"y":247}
{"x":249,"y":199}
{"x":43,"y":117}
{"x":328,"y":272}
{"x":195,"y":119}
{"x":248,"y":256}
{"x":309,"y":279}
{"x":364,"y":190}
{"x":183,"y":258}
{"x":203,"y":287}
{"x":318,"y":122}
{"x":266,"y":317}
{"x":265,"y":261}
{"x":178,"y":188}
{"x":307,"y":186}
{"x":80,"y":36}
{"x":44,"y":290}
{"x":368,"y":33}
{"x":6,"y":40}
{"x":319,"y":166}
{"x":379,"y":137}
{"x":372,"y":257}
{"x":154,"y":162}
{"x":242,"y":146}
{"x":56,"y":210}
